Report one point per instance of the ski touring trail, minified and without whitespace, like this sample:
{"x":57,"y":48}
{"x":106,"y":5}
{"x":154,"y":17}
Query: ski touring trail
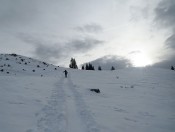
{"x":81,"y":109}
{"x":74,"y":123}
{"x":65,"y":111}
{"x":52,"y":118}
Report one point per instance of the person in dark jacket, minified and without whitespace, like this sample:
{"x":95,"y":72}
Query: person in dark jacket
{"x":66,"y":72}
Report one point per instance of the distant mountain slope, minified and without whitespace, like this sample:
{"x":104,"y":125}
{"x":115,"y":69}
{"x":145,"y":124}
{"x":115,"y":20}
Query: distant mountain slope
{"x":17,"y":64}
{"x":106,"y":62}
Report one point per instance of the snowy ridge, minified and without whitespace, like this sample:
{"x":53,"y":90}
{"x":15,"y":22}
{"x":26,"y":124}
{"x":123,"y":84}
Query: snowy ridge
{"x":16,"y":64}
{"x":131,"y":100}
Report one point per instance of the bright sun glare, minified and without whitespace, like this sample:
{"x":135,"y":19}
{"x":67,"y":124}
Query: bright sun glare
{"x":140,"y":60}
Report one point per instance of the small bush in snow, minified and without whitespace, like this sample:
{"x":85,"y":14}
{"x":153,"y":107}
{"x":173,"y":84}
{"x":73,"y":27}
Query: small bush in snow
{"x":2,"y":70}
{"x":33,"y":70}
{"x":15,"y":55}
{"x":132,"y":86}
{"x":44,"y":63}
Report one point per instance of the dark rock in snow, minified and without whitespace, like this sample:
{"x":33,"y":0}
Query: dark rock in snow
{"x":95,"y":90}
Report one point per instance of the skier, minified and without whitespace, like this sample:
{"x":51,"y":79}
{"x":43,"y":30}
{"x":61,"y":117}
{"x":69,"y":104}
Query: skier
{"x":66,"y":72}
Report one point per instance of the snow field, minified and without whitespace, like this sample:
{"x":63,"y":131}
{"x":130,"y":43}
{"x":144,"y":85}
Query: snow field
{"x":131,"y":100}
{"x":138,"y":100}
{"x":20,"y":99}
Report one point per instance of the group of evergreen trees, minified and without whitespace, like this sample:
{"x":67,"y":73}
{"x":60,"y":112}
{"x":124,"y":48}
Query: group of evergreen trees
{"x":87,"y":66}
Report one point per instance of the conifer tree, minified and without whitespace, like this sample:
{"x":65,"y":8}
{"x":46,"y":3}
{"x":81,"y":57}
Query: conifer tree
{"x":73,"y":64}
{"x":172,"y":67}
{"x":87,"y":66}
{"x":82,"y":67}
{"x":99,"y":68}
{"x":112,"y":68}
{"x":90,"y":66}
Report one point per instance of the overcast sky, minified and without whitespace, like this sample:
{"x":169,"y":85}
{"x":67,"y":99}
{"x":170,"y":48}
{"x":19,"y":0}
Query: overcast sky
{"x":142,"y":31}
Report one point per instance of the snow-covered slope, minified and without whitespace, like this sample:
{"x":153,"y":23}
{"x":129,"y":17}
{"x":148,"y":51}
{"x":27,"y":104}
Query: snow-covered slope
{"x":131,"y":100}
{"x":13,"y":64}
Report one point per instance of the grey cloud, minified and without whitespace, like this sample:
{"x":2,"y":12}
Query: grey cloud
{"x":17,"y":11}
{"x":165,"y":13}
{"x":166,"y":63}
{"x":165,"y":18}
{"x":171,"y":41}
{"x":108,"y":61}
{"x":90,"y":28}
{"x":84,"y":44}
{"x":31,"y":39}
{"x":139,"y":12}
{"x":135,"y":52}
{"x":49,"y":51}
{"x":44,"y":50}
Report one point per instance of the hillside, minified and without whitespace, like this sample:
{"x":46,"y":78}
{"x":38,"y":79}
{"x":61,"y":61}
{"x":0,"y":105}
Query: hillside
{"x":131,"y":100}
{"x":14,"y":64}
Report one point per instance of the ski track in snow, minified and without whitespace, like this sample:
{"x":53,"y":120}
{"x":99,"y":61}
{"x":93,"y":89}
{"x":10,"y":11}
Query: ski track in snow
{"x":85,"y":115}
{"x":52,"y":118}
{"x":74,"y":123}
{"x":65,"y":111}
